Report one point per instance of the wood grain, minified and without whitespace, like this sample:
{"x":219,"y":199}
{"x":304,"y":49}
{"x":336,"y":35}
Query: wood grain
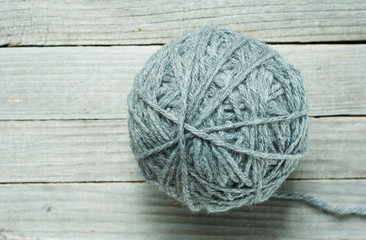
{"x":139,"y":211}
{"x":69,"y":151}
{"x":93,"y":82}
{"x":150,"y":22}
{"x":78,"y":179}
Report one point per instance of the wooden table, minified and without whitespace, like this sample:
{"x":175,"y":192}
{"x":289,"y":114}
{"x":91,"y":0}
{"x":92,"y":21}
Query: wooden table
{"x":66,"y":169}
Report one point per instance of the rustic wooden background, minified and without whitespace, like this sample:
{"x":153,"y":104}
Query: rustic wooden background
{"x":66,"y":169}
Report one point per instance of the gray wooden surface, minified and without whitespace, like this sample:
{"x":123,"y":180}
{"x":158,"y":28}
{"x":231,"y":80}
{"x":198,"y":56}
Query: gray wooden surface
{"x":93,"y":82}
{"x":149,"y":22}
{"x":66,"y":169}
{"x":90,"y":150}
{"x":139,"y":211}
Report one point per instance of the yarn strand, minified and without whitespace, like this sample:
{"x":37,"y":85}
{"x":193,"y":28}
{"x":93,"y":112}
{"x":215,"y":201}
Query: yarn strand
{"x":321,"y":204}
{"x":239,"y":78}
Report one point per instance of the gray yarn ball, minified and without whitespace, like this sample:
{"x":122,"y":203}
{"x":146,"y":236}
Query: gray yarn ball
{"x":217,"y":120}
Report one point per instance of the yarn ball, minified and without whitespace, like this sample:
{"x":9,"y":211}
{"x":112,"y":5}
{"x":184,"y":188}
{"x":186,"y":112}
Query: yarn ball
{"x":217,"y":120}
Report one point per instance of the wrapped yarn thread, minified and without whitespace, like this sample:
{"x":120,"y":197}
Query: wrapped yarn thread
{"x":218,"y":120}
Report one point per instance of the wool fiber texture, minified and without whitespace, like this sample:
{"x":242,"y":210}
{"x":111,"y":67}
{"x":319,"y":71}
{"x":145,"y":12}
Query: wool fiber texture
{"x":217,"y":120}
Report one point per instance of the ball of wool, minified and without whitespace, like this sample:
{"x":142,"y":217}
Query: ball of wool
{"x":217,"y":120}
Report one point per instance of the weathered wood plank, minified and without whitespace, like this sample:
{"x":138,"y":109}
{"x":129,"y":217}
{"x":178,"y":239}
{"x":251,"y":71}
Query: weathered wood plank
{"x":139,"y":211}
{"x":90,"y":82}
{"x":148,"y":22}
{"x":67,"y":151}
